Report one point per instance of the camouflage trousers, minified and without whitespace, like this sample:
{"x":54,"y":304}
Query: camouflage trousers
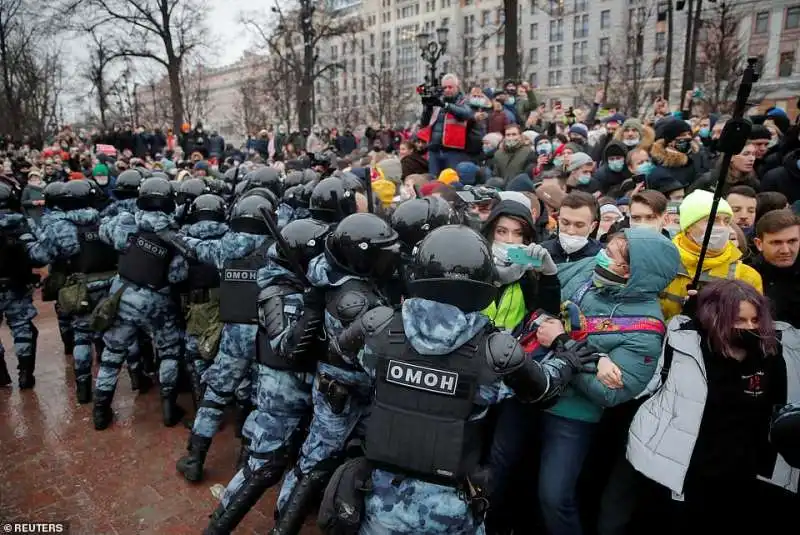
{"x":227,"y":378}
{"x":282,"y":401}
{"x":152,"y":312}
{"x":18,"y":310}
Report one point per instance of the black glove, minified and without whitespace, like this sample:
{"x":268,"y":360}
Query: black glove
{"x":176,"y":241}
{"x":577,"y":355}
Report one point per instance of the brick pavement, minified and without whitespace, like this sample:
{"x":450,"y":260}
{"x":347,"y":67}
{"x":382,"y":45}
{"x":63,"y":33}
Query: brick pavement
{"x":55,"y":466}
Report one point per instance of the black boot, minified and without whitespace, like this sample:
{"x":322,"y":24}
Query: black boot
{"x":305,"y":492}
{"x":26,"y":378}
{"x":5,"y":378}
{"x":102,"y":413}
{"x":83,"y":388}
{"x":171,"y":412}
{"x":140,"y":381}
{"x":243,"y":410}
{"x":225,"y":519}
{"x":191,"y":465}
{"x":198,"y":390}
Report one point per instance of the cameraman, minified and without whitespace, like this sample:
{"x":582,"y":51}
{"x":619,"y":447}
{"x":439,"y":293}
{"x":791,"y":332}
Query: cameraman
{"x":454,"y":133}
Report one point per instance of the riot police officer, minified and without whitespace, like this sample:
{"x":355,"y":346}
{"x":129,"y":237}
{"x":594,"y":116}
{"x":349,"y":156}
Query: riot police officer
{"x":16,"y":288}
{"x":438,"y":363}
{"x":361,"y":254}
{"x":331,"y":201}
{"x":415,"y":218}
{"x":238,"y":255}
{"x":73,"y":242}
{"x":288,"y":342}
{"x":125,"y":192}
{"x":148,"y":265}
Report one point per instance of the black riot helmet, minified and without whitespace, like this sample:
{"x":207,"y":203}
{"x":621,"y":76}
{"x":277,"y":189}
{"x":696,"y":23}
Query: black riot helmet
{"x":9,"y":200}
{"x":784,"y":434}
{"x":190,"y":189}
{"x":293,"y":178}
{"x":208,"y":207}
{"x":305,"y":239}
{"x":261,"y":192}
{"x":246,"y":215}
{"x":454,"y":265}
{"x":364,"y":245}
{"x":127,"y":185}
{"x":53,"y":193}
{"x":352,"y":182}
{"x":156,"y":195}
{"x":309,"y":175}
{"x":415,"y":218}
{"x":297,"y":196}
{"x":158,"y":174}
{"x":266,"y":177}
{"x":78,"y":194}
{"x":331,"y":202}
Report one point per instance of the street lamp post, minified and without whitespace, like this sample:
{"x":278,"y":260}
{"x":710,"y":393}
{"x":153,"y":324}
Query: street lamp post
{"x":432,"y":50}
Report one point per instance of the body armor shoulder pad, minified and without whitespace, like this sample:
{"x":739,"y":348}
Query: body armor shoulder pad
{"x":503,"y":353}
{"x":270,"y":305}
{"x":377,"y":319}
{"x":349,"y":305}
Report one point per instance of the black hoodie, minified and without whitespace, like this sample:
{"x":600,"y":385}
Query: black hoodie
{"x":540,"y":291}
{"x":785,"y":179}
{"x":607,"y":179}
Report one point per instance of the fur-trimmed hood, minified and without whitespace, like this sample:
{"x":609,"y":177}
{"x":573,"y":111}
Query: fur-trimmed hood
{"x":647,"y":135}
{"x":671,"y":158}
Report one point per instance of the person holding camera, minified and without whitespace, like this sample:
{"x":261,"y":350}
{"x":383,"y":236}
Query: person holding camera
{"x":449,"y":123}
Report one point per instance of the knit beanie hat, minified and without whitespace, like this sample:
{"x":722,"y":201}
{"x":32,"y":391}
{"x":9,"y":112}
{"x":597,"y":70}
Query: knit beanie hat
{"x":385,"y":190}
{"x":448,"y":176}
{"x":100,"y":170}
{"x":521,"y":182}
{"x":616,"y":118}
{"x":467,"y":172}
{"x":635,"y":124}
{"x":697,"y":205}
{"x":760,"y":132}
{"x":392,"y":169}
{"x":579,"y":129}
{"x":669,"y":128}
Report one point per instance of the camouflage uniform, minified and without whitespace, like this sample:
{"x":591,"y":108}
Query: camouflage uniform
{"x":286,"y":214}
{"x":330,"y":427}
{"x":16,"y":305}
{"x":141,"y":308}
{"x":58,"y":240}
{"x":64,"y":321}
{"x":282,"y":400}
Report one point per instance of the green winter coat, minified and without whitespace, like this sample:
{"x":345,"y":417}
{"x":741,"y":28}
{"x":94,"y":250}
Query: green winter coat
{"x":654,"y":263}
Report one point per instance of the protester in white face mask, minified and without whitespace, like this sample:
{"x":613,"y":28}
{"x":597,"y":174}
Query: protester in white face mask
{"x":723,"y":259}
{"x":577,"y":221}
{"x":648,"y":209}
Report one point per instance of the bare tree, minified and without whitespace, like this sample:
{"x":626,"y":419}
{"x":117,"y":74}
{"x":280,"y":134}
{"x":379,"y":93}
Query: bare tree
{"x":293,"y":36}
{"x":720,"y":53}
{"x":250,"y":109}
{"x":195,"y":91}
{"x":390,"y":98}
{"x":163,"y":31}
{"x":100,"y":58}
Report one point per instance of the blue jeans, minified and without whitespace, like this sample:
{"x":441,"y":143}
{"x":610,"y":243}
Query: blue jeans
{"x":565,"y":444}
{"x":439,"y":160}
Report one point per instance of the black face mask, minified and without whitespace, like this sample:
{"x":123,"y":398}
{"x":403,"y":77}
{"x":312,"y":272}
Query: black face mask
{"x":747,"y":339}
{"x":683,"y":145}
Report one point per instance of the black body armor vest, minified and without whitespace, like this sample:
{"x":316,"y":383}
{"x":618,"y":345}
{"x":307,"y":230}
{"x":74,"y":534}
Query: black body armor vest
{"x":346,"y":303}
{"x":238,"y":301}
{"x":146,"y":261}
{"x":95,"y":256}
{"x":15,"y":265}
{"x":419,"y":425}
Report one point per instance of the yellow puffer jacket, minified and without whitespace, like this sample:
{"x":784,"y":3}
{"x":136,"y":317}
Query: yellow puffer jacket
{"x":724,"y":265}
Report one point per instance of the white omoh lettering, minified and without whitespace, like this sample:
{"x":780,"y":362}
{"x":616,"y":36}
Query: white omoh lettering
{"x":421,"y":377}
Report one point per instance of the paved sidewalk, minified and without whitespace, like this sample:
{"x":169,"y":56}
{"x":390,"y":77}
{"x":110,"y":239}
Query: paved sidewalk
{"x":54,"y":466}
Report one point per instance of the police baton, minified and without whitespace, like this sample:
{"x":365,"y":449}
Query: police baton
{"x":731,"y":142}
{"x":368,"y":191}
{"x":281,"y":243}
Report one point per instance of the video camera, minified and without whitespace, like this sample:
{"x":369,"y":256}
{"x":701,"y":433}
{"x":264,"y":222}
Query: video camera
{"x":477,"y":194}
{"x":426,"y":91}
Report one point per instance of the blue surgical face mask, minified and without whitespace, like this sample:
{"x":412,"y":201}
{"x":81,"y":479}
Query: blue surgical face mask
{"x":544,"y":148}
{"x":704,"y":132}
{"x":616,"y":165}
{"x":645,"y":168}
{"x":476,"y":102}
{"x":584,"y":179}
{"x":559,"y":162}
{"x":510,"y":100}
{"x":631,"y":142}
{"x":488,"y":150}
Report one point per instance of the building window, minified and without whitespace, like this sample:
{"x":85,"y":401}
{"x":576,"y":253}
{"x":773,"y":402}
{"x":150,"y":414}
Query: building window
{"x":661,"y":11}
{"x":661,"y":41}
{"x":484,"y":64}
{"x":445,"y":22}
{"x":602,"y":73}
{"x":556,"y":53}
{"x":762,"y":22}
{"x":660,"y":68}
{"x":535,"y":80}
{"x":581,"y":27}
{"x":554,"y":78}
{"x":534,"y":32}
{"x":485,"y":17}
{"x":792,"y":18}
{"x":498,"y":63}
{"x":786,"y":65}
{"x":581,"y":5}
{"x":605,"y":19}
{"x":556,"y":30}
{"x":533,"y":56}
{"x":605,"y":45}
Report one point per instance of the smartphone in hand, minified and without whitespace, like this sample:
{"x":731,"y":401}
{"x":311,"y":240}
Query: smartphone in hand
{"x":518,"y":255}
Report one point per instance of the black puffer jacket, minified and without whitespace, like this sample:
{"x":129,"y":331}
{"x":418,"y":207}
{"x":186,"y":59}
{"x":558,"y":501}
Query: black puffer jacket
{"x":785,"y":179}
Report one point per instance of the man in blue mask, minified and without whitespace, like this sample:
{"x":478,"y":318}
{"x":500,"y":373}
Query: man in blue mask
{"x":613,"y":170}
{"x":581,"y":169}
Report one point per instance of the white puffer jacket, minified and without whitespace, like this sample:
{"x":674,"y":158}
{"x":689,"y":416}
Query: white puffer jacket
{"x":665,"y":429}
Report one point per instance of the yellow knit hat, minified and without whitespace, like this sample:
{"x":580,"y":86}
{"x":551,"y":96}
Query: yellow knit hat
{"x":385,"y":190}
{"x":448,"y":176}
